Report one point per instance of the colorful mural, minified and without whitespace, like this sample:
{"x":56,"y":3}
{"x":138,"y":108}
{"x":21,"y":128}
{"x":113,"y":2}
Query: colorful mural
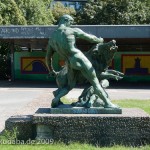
{"x":33,"y":65}
{"x":133,"y":64}
{"x":62,"y":63}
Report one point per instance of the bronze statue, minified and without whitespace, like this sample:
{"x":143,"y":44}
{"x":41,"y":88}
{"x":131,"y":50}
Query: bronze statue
{"x":79,"y":65}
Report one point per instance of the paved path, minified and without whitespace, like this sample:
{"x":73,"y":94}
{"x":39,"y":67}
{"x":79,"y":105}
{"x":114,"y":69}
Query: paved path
{"x":15,"y":96}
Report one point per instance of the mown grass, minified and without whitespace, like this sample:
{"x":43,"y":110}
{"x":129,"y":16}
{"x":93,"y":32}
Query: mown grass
{"x":126,"y":103}
{"x":143,"y":104}
{"x":75,"y":146}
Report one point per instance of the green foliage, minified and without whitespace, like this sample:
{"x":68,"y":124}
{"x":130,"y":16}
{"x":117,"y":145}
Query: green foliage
{"x":115,"y":12}
{"x":36,"y":12}
{"x":10,"y":135}
{"x":22,"y":12}
{"x":59,"y":9}
{"x":10,"y":13}
{"x":5,"y":60}
{"x":73,"y":146}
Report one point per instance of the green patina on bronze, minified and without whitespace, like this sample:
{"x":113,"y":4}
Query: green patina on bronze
{"x":80,"y":67}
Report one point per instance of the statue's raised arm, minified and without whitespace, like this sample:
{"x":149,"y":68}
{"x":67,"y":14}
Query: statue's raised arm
{"x":88,"y":37}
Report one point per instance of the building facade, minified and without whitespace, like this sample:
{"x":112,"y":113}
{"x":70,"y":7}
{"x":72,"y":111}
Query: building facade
{"x":132,"y":58}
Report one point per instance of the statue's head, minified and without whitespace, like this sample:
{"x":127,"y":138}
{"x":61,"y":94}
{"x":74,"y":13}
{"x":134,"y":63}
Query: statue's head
{"x":66,"y":20}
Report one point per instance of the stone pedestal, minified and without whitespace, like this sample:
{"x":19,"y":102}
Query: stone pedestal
{"x":132,"y":127}
{"x":23,"y":125}
{"x":44,"y":132}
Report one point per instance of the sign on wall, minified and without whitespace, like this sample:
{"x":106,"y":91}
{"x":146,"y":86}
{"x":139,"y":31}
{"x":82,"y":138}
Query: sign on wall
{"x":33,"y":65}
{"x":136,"y":64}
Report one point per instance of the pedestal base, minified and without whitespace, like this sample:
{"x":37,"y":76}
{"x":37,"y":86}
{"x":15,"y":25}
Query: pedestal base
{"x":81,"y":110}
{"x":132,"y":127}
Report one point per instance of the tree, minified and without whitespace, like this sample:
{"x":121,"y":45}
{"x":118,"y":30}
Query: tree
{"x":10,"y":13}
{"x":59,"y":9}
{"x":114,"y":12}
{"x":36,"y":12}
{"x":22,"y":12}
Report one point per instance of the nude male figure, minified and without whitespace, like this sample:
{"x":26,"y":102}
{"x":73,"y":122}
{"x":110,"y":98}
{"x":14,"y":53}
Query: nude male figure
{"x":63,"y":41}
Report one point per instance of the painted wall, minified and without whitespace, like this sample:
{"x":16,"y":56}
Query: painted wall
{"x":31,"y":65}
{"x":135,"y":65}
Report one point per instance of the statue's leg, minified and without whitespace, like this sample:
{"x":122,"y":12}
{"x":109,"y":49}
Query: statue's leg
{"x":84,"y":98}
{"x":56,"y":92}
{"x":71,"y":81}
{"x":62,"y":83}
{"x":88,"y":97}
{"x":90,"y":75}
{"x":56,"y":100}
{"x":81,"y":63}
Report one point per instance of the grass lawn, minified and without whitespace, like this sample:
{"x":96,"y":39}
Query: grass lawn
{"x":75,"y":146}
{"x":127,"y":103}
{"x":143,"y":104}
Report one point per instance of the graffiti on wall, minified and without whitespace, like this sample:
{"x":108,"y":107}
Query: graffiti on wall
{"x":33,"y":65}
{"x":133,"y":64}
{"x":36,"y":65}
{"x":62,"y":63}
